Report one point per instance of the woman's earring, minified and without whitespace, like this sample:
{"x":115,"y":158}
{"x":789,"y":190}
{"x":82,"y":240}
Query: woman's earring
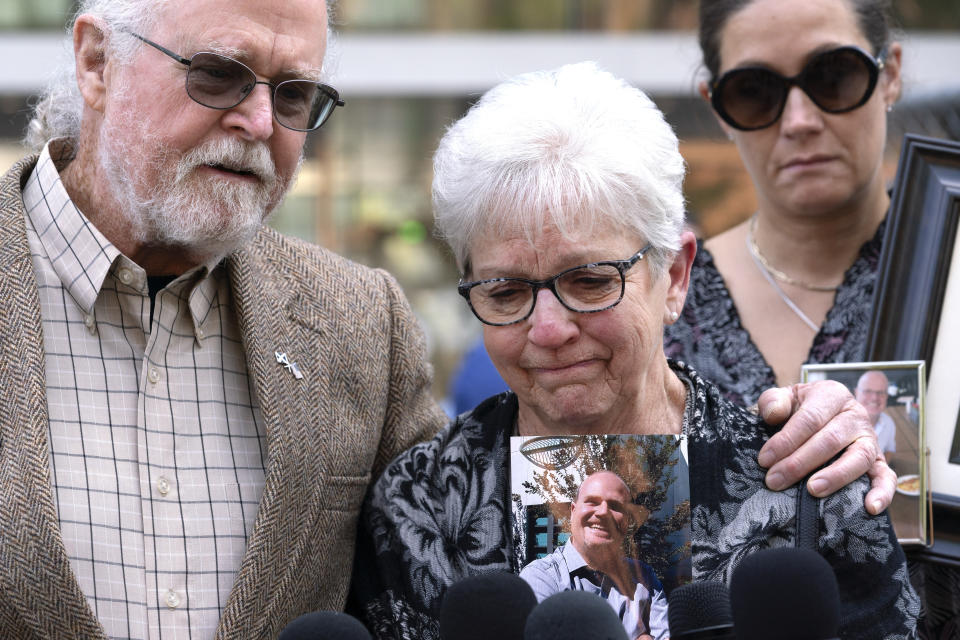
{"x":889,"y":108}
{"x":674,"y":316}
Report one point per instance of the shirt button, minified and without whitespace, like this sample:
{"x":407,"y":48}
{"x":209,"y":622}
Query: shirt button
{"x":200,"y":334}
{"x":88,"y":321}
{"x":163,"y":486}
{"x":173,"y":599}
{"x":125,"y":275}
{"x":153,"y":375}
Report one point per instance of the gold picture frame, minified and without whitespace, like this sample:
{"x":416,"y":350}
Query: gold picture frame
{"x":899,"y":416}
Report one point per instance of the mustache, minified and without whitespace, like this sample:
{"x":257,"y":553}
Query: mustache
{"x":235,"y":155}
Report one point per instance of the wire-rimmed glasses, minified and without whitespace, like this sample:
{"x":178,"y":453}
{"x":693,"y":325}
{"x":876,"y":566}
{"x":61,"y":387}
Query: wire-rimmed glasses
{"x":219,"y":82}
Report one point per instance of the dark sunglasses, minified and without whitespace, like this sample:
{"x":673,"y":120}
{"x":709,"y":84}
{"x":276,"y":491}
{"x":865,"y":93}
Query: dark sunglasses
{"x":220,"y":82}
{"x":837,"y":81}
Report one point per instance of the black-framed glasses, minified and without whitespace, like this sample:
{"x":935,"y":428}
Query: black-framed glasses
{"x":837,"y":81}
{"x":588,"y":288}
{"x":219,"y":82}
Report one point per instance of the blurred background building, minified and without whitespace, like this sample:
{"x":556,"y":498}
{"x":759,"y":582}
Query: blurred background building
{"x":408,"y":68}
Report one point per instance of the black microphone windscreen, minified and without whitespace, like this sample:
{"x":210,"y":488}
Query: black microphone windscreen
{"x":324,"y":625}
{"x":489,"y":606}
{"x":700,"y":610}
{"x":785,"y":593}
{"x":574,"y":615}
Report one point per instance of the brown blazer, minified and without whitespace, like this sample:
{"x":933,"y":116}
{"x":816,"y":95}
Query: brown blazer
{"x":364,"y":397}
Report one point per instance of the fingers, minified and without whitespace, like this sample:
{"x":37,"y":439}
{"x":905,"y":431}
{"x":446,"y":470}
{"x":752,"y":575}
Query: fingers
{"x":814,"y":406}
{"x":856,"y":460}
{"x":776,"y":405}
{"x":827,"y":421}
{"x":883,"y":484}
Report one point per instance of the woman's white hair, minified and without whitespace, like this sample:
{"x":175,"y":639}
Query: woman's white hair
{"x":576,"y":148}
{"x":57,"y":111}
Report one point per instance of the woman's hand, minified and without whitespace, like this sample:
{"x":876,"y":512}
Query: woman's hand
{"x":823,"y":419}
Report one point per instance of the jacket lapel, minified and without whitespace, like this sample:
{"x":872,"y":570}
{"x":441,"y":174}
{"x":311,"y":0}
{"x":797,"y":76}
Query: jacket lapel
{"x":35,"y":571}
{"x":264,"y":592}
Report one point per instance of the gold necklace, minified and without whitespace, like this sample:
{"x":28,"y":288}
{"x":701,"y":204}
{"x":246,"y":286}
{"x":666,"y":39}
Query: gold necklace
{"x":776,"y":273}
{"x":780,"y":292}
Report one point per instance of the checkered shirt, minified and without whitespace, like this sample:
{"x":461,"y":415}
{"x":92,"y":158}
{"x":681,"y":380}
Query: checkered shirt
{"x":157,"y":443}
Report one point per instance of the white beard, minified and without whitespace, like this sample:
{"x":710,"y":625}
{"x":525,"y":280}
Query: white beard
{"x":204,"y":216}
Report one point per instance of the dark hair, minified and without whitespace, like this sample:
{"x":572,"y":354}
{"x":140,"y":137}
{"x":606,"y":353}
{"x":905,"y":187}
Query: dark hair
{"x":873,"y":16}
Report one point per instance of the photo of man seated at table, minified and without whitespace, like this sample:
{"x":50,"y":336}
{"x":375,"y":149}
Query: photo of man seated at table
{"x":893,"y":395}
{"x":872,"y":391}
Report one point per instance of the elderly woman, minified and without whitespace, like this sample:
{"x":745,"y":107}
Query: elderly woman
{"x":560,"y":196}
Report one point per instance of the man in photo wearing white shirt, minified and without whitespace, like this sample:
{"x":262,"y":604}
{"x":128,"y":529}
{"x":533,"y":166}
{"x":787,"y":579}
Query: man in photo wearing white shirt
{"x":871,"y":392}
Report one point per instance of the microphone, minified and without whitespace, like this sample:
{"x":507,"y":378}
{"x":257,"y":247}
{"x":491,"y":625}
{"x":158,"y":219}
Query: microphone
{"x":785,"y":593}
{"x":700,"y":611}
{"x":486,"y":606}
{"x":325,"y":625}
{"x":574,"y":615}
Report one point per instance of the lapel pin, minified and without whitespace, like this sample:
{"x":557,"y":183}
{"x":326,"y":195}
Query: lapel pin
{"x":290,"y":366}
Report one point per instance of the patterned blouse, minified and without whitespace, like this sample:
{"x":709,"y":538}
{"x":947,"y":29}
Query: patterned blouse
{"x":710,"y":338}
{"x":441,"y":512}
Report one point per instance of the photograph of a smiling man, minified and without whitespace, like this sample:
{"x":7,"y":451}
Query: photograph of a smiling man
{"x":593,"y":558}
{"x":606,"y":528}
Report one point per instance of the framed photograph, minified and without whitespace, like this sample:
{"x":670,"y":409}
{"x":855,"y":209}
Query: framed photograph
{"x":619,"y":505}
{"x":893,"y":394}
{"x":918,"y":294}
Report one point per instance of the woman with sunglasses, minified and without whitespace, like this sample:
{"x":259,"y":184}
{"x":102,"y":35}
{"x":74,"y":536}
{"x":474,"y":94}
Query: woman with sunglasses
{"x":803,"y":88}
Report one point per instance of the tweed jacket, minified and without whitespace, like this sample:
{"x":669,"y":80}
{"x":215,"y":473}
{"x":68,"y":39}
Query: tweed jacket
{"x":364,"y":397}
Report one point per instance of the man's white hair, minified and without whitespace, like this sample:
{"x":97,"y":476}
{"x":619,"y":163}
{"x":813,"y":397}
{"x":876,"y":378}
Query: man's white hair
{"x":576,"y":148}
{"x":57,"y":111}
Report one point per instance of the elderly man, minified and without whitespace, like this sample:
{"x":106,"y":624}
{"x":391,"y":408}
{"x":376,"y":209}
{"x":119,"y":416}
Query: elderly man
{"x":871,"y":392}
{"x":593,"y":559}
{"x":192,"y":405}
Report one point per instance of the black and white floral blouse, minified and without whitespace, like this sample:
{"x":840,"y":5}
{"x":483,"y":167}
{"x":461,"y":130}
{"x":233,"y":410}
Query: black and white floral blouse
{"x":440,"y":513}
{"x":709,"y":335}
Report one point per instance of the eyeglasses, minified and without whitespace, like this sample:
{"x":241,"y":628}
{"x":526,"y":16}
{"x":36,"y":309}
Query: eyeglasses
{"x":837,"y":81}
{"x":220,"y":82}
{"x":585,"y":289}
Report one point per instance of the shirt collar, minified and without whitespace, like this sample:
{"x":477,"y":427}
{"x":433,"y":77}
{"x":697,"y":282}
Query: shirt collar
{"x":81,"y":255}
{"x":572,"y":557}
{"x":201,"y":287}
{"x":576,"y":563}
